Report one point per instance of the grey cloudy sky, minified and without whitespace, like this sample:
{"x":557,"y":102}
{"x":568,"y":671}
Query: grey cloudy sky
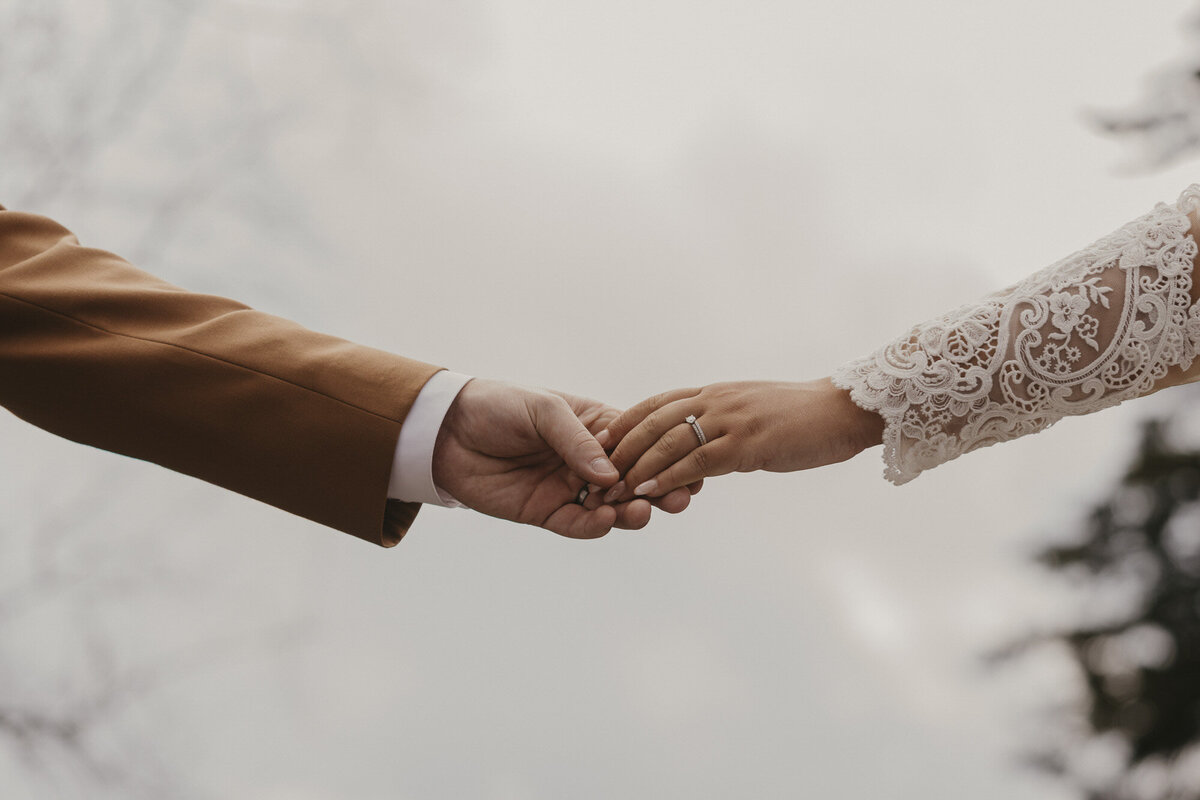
{"x":612,"y":199}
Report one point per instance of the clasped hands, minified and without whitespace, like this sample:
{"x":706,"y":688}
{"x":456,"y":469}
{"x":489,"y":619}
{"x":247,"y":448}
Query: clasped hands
{"x":527,"y":454}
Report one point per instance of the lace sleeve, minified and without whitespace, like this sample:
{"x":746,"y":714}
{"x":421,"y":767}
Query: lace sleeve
{"x":1101,"y":326}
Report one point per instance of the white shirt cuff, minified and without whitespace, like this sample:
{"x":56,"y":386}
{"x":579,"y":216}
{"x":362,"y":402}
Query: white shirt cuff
{"x":412,"y":465}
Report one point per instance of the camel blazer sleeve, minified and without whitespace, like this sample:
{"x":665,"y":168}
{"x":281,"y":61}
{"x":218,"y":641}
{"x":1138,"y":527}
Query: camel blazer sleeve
{"x":99,"y":352}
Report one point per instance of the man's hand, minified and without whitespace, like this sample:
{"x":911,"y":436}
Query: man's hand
{"x":524,"y":455}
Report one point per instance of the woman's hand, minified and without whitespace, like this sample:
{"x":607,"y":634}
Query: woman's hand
{"x":748,"y":425}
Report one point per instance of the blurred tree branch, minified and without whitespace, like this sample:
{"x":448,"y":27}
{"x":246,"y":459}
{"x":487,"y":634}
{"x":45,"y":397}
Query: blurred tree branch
{"x":1140,"y":662}
{"x":1163,"y":127}
{"x":79,"y":78}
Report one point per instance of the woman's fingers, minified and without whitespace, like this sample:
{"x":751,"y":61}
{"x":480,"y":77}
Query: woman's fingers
{"x":635,"y":514}
{"x":710,"y":460}
{"x":616,"y":431}
{"x":655,"y":426}
{"x":673,"y":445}
{"x":634,"y":432}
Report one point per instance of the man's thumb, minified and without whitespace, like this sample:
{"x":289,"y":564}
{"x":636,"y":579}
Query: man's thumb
{"x":563,"y":431}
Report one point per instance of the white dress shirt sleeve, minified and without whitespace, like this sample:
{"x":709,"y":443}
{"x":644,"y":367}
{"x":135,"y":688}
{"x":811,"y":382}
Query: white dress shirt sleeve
{"x":412,"y":464}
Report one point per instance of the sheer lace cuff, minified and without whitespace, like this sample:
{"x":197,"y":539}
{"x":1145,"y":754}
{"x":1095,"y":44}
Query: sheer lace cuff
{"x":1099,"y":327}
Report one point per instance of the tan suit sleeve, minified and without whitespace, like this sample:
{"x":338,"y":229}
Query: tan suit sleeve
{"x":99,"y":352}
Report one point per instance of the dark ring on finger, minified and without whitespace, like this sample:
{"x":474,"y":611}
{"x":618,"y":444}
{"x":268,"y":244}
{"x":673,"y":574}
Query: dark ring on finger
{"x":581,"y":498}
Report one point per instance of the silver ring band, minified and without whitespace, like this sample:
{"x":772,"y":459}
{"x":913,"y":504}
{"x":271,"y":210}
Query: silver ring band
{"x":691,"y":420}
{"x":581,"y":498}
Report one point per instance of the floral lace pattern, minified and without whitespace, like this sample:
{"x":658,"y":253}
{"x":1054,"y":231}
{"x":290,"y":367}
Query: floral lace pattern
{"x":1099,"y":327}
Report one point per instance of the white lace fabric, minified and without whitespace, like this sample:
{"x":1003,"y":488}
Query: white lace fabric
{"x":1092,"y":330}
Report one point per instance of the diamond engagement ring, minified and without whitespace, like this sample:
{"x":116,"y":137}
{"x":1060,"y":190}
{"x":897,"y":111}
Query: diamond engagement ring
{"x":691,"y":420}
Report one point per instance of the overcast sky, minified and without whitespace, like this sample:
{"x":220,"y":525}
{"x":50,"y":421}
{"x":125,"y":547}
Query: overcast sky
{"x":611,"y":199}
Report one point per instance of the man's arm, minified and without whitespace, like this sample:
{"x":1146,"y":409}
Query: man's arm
{"x":99,"y":352}
{"x":102,"y":353}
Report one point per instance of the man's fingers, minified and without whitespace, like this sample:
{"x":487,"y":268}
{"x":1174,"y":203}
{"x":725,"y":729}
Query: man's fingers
{"x":557,"y":424}
{"x":673,"y":502}
{"x":631,"y":418}
{"x":576,"y":522}
{"x":633,"y":515}
{"x":585,"y":522}
{"x":595,"y":415}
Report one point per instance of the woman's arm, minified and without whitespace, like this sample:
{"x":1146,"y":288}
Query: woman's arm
{"x":1116,"y":320}
{"x":749,"y":425}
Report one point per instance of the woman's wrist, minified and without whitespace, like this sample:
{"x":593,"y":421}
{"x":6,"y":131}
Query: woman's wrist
{"x":788,"y":426}
{"x":865,"y":428}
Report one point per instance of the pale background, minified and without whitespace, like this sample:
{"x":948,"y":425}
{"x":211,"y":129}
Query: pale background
{"x":611,"y":199}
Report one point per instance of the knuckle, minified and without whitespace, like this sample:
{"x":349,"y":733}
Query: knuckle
{"x":620,"y":426}
{"x":700,"y":458}
{"x":621,"y":460}
{"x":750,"y":424}
{"x":664,"y":445}
{"x":652,"y":426}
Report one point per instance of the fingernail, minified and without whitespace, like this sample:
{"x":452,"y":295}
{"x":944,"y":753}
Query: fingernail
{"x":648,"y":487}
{"x":593,"y":488}
{"x":604,"y":437}
{"x":615,"y":492}
{"x":603,"y":465}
